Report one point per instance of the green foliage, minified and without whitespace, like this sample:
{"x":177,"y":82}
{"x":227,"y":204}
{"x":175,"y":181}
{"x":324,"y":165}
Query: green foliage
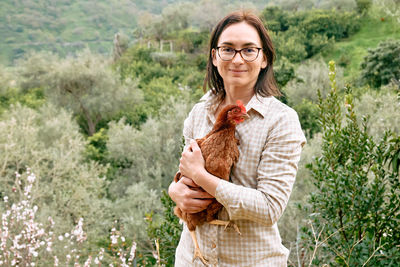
{"x":150,"y":154}
{"x":63,"y":27}
{"x":302,"y":34}
{"x":96,"y":148}
{"x":49,"y":143}
{"x":308,"y":116}
{"x":130,"y":209}
{"x":284,"y":71}
{"x":381,"y":109}
{"x":290,"y":44}
{"x":161,"y":75}
{"x":88,"y":87}
{"x":382,"y":64}
{"x":167,"y":232}
{"x":318,"y":26}
{"x":355,"y":209}
{"x":275,"y":18}
{"x":376,"y":27}
{"x":301,"y":93}
{"x":363,"y":6}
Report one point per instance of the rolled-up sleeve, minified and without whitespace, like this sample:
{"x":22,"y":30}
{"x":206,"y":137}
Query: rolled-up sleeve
{"x":275,"y":175}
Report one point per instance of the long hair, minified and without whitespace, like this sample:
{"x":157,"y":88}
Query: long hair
{"x":266,"y":84}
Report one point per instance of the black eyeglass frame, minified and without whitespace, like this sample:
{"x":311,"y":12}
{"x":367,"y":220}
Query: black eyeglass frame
{"x":240,"y":53}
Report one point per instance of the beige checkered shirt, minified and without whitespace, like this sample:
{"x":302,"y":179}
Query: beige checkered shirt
{"x":261,"y":182}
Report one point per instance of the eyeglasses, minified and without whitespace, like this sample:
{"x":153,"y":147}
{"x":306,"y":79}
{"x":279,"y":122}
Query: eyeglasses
{"x":248,"y":54}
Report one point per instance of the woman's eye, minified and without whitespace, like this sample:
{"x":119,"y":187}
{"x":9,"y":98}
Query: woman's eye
{"x":227,"y":49}
{"x":250,"y":50}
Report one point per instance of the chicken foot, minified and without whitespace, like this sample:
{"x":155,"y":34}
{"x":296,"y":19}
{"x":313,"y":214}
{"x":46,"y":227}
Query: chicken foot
{"x":197,"y":251}
{"x":226,"y":224}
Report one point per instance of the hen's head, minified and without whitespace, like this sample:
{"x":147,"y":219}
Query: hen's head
{"x":236,"y":113}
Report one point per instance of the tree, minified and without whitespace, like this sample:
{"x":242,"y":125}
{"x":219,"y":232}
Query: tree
{"x":382,"y":64}
{"x":86,"y":85}
{"x":48,"y":142}
{"x":354,"y":211}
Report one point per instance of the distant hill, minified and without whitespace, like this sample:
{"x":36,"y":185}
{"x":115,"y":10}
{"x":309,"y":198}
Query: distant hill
{"x":65,"y":26}
{"x":61,"y":26}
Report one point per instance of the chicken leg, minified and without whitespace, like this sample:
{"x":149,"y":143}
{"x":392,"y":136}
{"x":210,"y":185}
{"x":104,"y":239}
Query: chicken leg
{"x":226,"y":224}
{"x":197,"y":252}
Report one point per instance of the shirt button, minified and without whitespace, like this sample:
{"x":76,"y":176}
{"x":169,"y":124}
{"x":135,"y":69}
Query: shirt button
{"x":213,"y":245}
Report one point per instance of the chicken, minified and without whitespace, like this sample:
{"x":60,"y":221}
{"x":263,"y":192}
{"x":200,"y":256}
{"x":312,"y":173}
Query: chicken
{"x":220,"y":151}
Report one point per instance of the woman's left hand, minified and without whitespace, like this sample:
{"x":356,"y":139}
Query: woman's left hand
{"x":192,"y":161}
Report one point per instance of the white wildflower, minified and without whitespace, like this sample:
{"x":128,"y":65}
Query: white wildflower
{"x":31,"y":178}
{"x":132,"y":252}
{"x":114,"y":239}
{"x":60,"y":237}
{"x":88,"y":262}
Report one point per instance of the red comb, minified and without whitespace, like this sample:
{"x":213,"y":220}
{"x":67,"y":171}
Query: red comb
{"x":240,"y":104}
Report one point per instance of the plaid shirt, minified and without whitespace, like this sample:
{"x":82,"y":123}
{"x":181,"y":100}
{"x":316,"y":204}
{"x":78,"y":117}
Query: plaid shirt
{"x":261,"y":182}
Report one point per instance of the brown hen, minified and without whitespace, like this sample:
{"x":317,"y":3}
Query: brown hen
{"x":220,"y":151}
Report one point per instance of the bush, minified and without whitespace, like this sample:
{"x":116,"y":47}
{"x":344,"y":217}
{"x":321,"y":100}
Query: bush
{"x":355,"y":210}
{"x":381,"y":109}
{"x":275,"y":18}
{"x":363,"y":6}
{"x":165,"y":233}
{"x":25,"y":241}
{"x":290,"y":44}
{"x":382,"y":64}
{"x":50,"y":144}
{"x":283,"y":71}
{"x":150,"y":154}
{"x":309,"y":79}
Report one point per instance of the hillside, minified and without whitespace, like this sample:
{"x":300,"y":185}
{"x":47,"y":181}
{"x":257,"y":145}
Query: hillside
{"x":66,"y":26}
{"x":61,"y":26}
{"x":375,"y":28}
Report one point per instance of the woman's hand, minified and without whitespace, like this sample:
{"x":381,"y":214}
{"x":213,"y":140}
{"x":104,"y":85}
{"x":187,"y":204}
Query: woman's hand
{"x":188,"y":196}
{"x":192,"y":161}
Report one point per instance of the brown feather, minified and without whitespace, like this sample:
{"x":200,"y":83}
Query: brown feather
{"x":220,"y":151}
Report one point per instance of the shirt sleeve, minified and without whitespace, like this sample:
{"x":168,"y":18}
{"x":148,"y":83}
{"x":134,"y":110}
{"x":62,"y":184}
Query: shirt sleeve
{"x":188,"y":127}
{"x":276,"y":174}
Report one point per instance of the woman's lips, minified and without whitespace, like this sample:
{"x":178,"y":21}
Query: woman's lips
{"x":237,"y":71}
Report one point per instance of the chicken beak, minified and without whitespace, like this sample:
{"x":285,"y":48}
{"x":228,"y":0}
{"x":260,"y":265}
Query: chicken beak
{"x":245,"y":116}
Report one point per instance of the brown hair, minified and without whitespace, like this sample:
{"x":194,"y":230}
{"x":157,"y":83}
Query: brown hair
{"x":266,"y":84}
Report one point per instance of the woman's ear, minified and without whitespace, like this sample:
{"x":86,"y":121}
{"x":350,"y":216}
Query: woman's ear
{"x":264,"y":63}
{"x":214,"y":57}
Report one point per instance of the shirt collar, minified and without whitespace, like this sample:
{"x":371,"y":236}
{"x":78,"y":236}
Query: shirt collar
{"x":259,"y":104}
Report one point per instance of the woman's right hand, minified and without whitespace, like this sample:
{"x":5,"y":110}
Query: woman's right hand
{"x":188,"y":196}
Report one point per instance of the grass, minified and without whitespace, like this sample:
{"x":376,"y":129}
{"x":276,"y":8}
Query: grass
{"x":375,"y":28}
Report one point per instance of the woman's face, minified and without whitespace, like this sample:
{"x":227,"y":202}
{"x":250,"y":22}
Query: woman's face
{"x":237,"y":73}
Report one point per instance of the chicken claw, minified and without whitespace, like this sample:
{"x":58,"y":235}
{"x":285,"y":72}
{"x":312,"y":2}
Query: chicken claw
{"x":226,"y":224}
{"x":197,"y":252}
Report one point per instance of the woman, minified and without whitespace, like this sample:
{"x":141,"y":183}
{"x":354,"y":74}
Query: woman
{"x":240,"y":68}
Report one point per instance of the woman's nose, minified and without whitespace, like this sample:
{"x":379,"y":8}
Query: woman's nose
{"x":237,"y":59}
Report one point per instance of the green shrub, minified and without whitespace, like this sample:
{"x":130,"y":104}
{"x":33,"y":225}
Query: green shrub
{"x":275,"y":18}
{"x":363,"y":6}
{"x":49,"y":142}
{"x":382,"y":64}
{"x":165,"y":233}
{"x":354,"y":212}
{"x":283,"y":71}
{"x":308,"y":116}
